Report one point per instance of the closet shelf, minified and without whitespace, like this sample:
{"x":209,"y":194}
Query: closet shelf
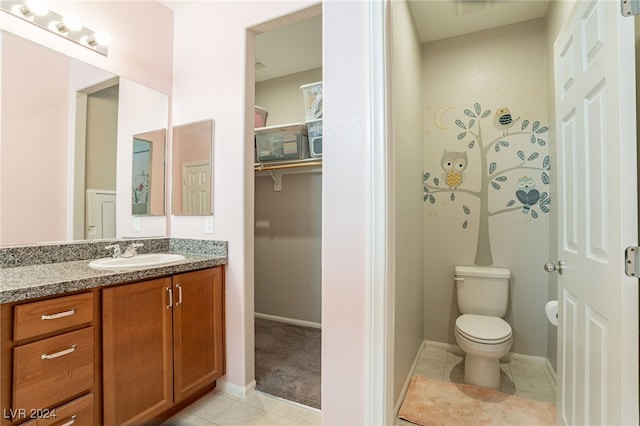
{"x":303,"y":165}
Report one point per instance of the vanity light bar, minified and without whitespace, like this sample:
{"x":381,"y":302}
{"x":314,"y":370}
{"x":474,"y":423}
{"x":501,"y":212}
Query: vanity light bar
{"x":68,"y":26}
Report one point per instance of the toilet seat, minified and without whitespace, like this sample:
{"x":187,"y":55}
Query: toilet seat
{"x":483,"y":329}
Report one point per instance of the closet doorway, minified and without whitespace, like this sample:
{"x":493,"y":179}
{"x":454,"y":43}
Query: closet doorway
{"x":288,"y":214}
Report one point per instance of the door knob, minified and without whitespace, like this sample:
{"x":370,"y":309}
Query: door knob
{"x":551,"y":267}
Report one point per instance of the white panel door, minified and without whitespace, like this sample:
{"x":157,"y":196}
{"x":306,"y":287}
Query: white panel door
{"x":597,"y":216}
{"x":196,"y":188}
{"x":101,"y":214}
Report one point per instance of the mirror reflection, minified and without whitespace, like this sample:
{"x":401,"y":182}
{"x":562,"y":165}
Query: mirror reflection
{"x":192,"y":172}
{"x":147,"y":192}
{"x":67,"y":131}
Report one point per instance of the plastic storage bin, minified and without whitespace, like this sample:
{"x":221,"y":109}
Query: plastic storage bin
{"x":288,"y":142}
{"x":260,"y":117}
{"x":314,"y":129}
{"x":312,"y":96}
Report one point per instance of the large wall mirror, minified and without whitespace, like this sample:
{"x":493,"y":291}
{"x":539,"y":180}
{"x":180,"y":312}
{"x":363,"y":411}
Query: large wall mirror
{"x":192,"y":171}
{"x":66,"y":159}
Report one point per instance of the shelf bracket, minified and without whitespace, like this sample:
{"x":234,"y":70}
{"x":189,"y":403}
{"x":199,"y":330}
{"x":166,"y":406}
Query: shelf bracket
{"x":277,"y":181}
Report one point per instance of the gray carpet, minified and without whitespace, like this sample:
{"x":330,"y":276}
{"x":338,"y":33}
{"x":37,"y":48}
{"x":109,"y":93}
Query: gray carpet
{"x":288,"y":361}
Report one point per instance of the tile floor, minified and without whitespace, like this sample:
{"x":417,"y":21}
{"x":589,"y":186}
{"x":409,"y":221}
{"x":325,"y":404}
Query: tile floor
{"x":521,"y":377}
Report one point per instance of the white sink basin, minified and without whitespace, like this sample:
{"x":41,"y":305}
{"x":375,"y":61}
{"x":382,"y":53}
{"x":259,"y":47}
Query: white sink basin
{"x":139,"y":261}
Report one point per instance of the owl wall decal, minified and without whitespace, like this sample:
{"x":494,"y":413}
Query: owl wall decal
{"x":503,"y":120}
{"x":526,"y":193}
{"x":453,"y":164}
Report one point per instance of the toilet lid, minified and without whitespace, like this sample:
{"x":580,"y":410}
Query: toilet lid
{"x":482,"y":328}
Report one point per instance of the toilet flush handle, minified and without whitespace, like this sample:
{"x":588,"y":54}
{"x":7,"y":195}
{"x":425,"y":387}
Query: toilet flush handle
{"x":458,"y":278}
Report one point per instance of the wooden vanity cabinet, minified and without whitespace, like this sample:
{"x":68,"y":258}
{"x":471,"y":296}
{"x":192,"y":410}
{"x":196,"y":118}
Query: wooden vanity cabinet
{"x":163,"y":342}
{"x":49,"y":356}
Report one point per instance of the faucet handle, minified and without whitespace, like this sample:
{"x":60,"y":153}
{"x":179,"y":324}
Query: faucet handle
{"x":116,"y":250}
{"x":130,"y":251}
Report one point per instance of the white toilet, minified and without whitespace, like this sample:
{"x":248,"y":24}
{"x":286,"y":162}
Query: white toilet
{"x":481,"y":332}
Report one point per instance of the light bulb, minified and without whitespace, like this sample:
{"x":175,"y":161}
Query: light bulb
{"x":101,"y":38}
{"x":37,"y":7}
{"x":72,"y":22}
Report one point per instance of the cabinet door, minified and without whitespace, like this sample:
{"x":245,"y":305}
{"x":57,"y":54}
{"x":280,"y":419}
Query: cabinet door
{"x":137,"y":340}
{"x":198,"y":330}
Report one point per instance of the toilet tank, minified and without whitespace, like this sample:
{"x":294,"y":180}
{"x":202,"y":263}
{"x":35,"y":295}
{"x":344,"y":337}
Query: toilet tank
{"x":482,"y":290}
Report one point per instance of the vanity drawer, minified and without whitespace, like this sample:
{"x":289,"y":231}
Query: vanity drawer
{"x":78,"y":412}
{"x":52,"y":370}
{"x":37,"y":318}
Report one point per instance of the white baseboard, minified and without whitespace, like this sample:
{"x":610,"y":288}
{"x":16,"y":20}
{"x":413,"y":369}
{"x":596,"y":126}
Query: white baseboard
{"x":551,"y":371}
{"x":235,"y":390}
{"x":293,"y":321}
{"x":405,"y":387}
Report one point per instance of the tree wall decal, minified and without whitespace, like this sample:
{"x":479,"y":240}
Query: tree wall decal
{"x":528,"y":199}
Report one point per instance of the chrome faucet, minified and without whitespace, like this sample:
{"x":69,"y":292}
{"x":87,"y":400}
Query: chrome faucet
{"x":130,"y":251}
{"x":116,"y":250}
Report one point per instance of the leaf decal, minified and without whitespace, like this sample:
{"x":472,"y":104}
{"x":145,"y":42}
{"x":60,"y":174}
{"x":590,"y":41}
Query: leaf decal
{"x":425,"y":198}
{"x":425,"y":189}
{"x":521,"y":155}
{"x":432,"y":199}
{"x":464,"y":225}
{"x":541,"y":142}
{"x":536,"y":124}
{"x":501,"y":178}
{"x":525,"y":123}
{"x":453,"y":196}
{"x":466,"y":210}
{"x":462,"y":135}
{"x":534,"y":214}
{"x":544,"y":208}
{"x":504,"y":143}
{"x":533,"y":156}
{"x":495,"y":185}
{"x":477,"y":107}
{"x":486,"y":113}
{"x":545,"y":178}
{"x":436,"y":181}
{"x":533,"y":139}
{"x":542,"y":129}
{"x":469,"y":113}
{"x":546,"y":163}
{"x":492,"y":167}
{"x":471,"y":144}
{"x":497,"y":147}
{"x":426,"y":176}
{"x":471,"y":123}
{"x":510,"y":203}
{"x":460,"y":124}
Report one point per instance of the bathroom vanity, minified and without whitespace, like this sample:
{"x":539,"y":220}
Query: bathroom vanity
{"x":85,"y":347}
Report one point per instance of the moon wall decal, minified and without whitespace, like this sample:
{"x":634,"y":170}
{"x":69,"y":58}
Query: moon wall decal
{"x":439,"y":114}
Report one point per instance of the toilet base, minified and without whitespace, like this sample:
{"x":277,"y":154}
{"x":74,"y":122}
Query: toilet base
{"x":483,"y":372}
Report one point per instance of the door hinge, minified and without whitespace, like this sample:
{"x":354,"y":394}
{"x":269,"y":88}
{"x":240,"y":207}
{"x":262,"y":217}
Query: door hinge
{"x":630,"y":7}
{"x":632,"y":261}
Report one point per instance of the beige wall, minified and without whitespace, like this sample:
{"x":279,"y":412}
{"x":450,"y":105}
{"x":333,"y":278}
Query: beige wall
{"x":102,"y":135}
{"x":502,"y":67}
{"x":287,"y":253}
{"x":282,"y":96}
{"x":406,"y":107}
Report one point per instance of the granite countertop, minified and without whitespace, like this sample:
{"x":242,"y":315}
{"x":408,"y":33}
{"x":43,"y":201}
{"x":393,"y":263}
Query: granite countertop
{"x":29,"y":282}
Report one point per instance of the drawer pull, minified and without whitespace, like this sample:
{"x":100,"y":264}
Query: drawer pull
{"x":170,"y":305}
{"x":59,"y":315}
{"x":70,"y":422}
{"x":59,"y":354}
